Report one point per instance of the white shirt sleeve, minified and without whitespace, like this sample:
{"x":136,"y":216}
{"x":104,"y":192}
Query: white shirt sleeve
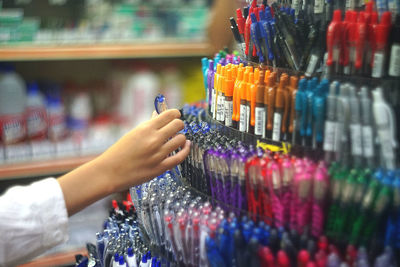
{"x":32,"y":219}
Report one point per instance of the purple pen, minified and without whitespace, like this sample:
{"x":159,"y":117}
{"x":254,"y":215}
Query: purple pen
{"x":225,"y":173}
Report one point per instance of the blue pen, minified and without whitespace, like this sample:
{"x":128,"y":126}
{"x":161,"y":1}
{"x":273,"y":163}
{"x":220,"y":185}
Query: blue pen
{"x":311,"y":88}
{"x":256,"y":37}
{"x":319,"y":105}
{"x":301,"y":110}
{"x":100,"y":247}
{"x":266,"y":34}
{"x":214,"y":257}
{"x":204,"y":67}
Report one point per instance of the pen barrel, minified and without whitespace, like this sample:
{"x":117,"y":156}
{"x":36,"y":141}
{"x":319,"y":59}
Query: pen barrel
{"x":317,"y":219}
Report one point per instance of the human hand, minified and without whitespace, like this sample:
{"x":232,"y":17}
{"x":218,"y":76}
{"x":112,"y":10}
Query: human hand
{"x":144,"y":152}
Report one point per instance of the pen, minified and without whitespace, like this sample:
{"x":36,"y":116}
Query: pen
{"x":256,"y":37}
{"x":342,"y":125}
{"x":292,"y":98}
{"x":279,"y":108}
{"x":269,"y":101}
{"x":330,"y":122}
{"x":214,"y":92}
{"x":309,"y":99}
{"x":367,"y":131}
{"x":360,"y":39}
{"x":320,"y":189}
{"x":249,"y":89}
{"x":229,"y":87}
{"x":333,"y":41}
{"x":299,"y":107}
{"x":236,"y":98}
{"x":243,"y":97}
{"x":348,"y":46}
{"x":253,"y":94}
{"x":220,"y":105}
{"x":394,"y":66}
{"x":384,"y":120}
{"x":355,"y":127}
{"x":382,"y":31}
{"x":319,"y":110}
{"x":259,"y":127}
{"x":210,"y":84}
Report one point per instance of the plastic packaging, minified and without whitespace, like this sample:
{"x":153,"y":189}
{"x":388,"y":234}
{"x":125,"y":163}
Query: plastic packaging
{"x":36,"y":115}
{"x":12,"y":106}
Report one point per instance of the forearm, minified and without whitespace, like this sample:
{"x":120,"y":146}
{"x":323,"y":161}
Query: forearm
{"x":85,"y":185}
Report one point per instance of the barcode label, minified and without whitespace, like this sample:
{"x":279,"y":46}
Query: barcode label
{"x":356,"y":146}
{"x":377,"y":67}
{"x":350,"y":4}
{"x":260,"y":121}
{"x":242,"y":122}
{"x":221,"y":108}
{"x":228,"y":113}
{"x":213,"y":103}
{"x":318,"y":6}
{"x":367,"y":141}
{"x":329,"y":136}
{"x":311,"y":65}
{"x":276,"y":130}
{"x":386,"y":144}
{"x":248,"y":118}
{"x":394,"y":65}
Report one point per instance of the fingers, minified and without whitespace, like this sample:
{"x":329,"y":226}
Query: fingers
{"x":171,"y":161}
{"x":173,"y":144}
{"x":165,"y":118}
{"x":171,"y":129}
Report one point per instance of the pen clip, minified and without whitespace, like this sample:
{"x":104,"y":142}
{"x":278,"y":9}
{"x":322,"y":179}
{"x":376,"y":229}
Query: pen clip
{"x":160,"y":103}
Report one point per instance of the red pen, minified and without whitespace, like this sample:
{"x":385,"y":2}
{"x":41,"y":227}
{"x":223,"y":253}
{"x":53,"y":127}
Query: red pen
{"x":347,"y":54}
{"x":351,"y":254}
{"x":247,"y":35}
{"x":267,"y":259}
{"x":360,"y":37}
{"x":321,"y":258}
{"x":311,"y":264}
{"x":253,"y":188}
{"x":382,"y":31}
{"x":372,"y":22}
{"x":333,"y":40}
{"x":303,"y":258}
{"x":323,"y":243}
{"x":240,"y":21}
{"x":282,"y":259}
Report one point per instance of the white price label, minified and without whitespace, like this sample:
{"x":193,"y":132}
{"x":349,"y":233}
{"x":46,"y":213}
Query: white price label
{"x":329,"y":136}
{"x":378,"y":65}
{"x":394,"y":64}
{"x":367,"y":141}
{"x":276,"y":130}
{"x":318,"y":6}
{"x":260,"y":121}
{"x":248,"y":118}
{"x":242,"y":122}
{"x":356,"y":145}
{"x":213,"y":103}
{"x":228,"y":112}
{"x":220,"y":108}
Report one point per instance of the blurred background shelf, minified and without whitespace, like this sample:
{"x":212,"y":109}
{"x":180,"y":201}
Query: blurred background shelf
{"x":103,"y":51}
{"x":58,"y":259}
{"x":41,"y":168}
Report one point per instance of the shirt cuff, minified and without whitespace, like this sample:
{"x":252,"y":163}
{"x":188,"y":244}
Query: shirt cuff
{"x":54,"y":217}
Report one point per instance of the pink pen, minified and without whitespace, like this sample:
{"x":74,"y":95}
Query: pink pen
{"x":287,"y":180}
{"x":294,"y":205}
{"x":274,"y":186}
{"x":320,"y":189}
{"x":304,"y":196}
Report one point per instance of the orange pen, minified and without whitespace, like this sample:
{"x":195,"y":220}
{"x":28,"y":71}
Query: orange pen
{"x":259,"y":109}
{"x":256,"y":75}
{"x":243,"y":97}
{"x":220,"y":96}
{"x":269,"y":102}
{"x":292,"y":93}
{"x":229,"y":84}
{"x":279,"y":108}
{"x":250,"y":86}
{"x":236,"y":98}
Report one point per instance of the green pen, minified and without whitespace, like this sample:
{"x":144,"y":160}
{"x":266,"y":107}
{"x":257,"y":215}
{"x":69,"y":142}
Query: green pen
{"x":362,"y":181}
{"x":381,"y":205}
{"x":346,"y":204}
{"x":365,"y":210}
{"x":338,"y":177}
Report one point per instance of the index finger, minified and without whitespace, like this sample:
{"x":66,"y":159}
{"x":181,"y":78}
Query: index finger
{"x":166,"y":117}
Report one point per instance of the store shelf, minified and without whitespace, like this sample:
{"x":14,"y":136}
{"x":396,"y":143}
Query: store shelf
{"x":102,"y":51}
{"x":59,"y":259}
{"x":41,"y":168}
